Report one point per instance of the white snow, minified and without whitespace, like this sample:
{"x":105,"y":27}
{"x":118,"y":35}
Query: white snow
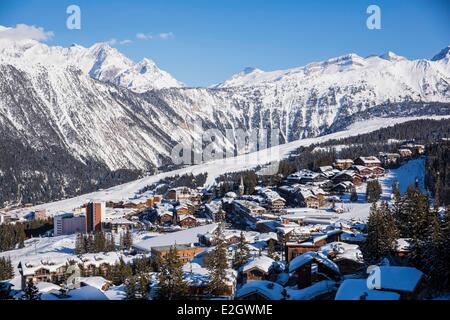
{"x":406,"y":175}
{"x":47,"y":287}
{"x":263,"y":263}
{"x":100,"y":61}
{"x":307,"y":257}
{"x":184,"y":237}
{"x":395,"y":278}
{"x":356,"y":289}
{"x":343,"y":251}
{"x":83,"y":293}
{"x":311,"y":292}
{"x":270,"y":290}
{"x":96,"y":282}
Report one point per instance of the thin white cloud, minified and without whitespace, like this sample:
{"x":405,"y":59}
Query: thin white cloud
{"x":23,"y":31}
{"x":114,"y":41}
{"x":166,"y":35}
{"x":148,"y":36}
{"x":126,"y":41}
{"x":143,"y":36}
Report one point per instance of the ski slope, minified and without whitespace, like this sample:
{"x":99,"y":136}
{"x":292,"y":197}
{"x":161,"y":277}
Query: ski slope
{"x":405,"y":175}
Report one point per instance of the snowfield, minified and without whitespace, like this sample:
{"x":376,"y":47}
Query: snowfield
{"x":406,"y":175}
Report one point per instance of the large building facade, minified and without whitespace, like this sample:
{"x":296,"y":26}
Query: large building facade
{"x":94,"y":213}
{"x":67,"y":223}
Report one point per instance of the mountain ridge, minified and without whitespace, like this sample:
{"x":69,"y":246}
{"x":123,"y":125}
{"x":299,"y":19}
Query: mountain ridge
{"x":103,"y":110}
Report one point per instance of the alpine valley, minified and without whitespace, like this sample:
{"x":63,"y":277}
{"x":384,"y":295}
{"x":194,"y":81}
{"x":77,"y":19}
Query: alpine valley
{"x":73,"y":120}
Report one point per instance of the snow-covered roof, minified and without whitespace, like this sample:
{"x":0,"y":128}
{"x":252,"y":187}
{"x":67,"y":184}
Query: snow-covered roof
{"x":164,"y":212}
{"x":311,"y":292}
{"x":325,"y":168}
{"x":96,"y":282}
{"x":308,"y":257}
{"x":356,"y":289}
{"x":186,"y":216}
{"x":349,"y":173}
{"x":120,"y":221}
{"x":268,"y":289}
{"x":52,"y":265}
{"x":301,"y":260}
{"x":271,"y":195}
{"x":196,"y":275}
{"x":82,"y":293}
{"x":185,"y":237}
{"x":343,"y":161}
{"x":47,"y":287}
{"x":348,"y":236}
{"x":263,"y":263}
{"x":267,"y":236}
{"x":231,"y":194}
{"x":250,"y":236}
{"x":371,"y":160}
{"x":343,"y":250}
{"x":395,"y":278}
{"x":303,"y":174}
{"x":214,"y":206}
{"x":98,"y":259}
{"x":282,"y":278}
{"x":115,"y":292}
{"x":359,"y":167}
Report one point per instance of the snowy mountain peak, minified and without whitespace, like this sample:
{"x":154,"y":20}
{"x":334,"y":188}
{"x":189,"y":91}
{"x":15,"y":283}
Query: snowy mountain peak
{"x":391,"y":56}
{"x":249,"y":70}
{"x":346,"y":61}
{"x":443,"y":54}
{"x":100,"y":61}
{"x":246,"y":75}
{"x":146,"y":65}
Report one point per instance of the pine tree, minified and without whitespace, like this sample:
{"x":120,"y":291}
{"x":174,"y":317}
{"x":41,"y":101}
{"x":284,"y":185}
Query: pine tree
{"x":416,"y":218}
{"x":242,"y":252}
{"x":217,"y":264}
{"x":142,"y":265}
{"x":110,"y":243}
{"x":89,"y":244}
{"x":126,"y":240}
{"x":115,"y":276}
{"x":381,"y":234}
{"x":31,"y":292}
{"x":79,"y":244}
{"x":99,"y":242}
{"x":354,"y":195}
{"x":437,"y":257}
{"x":396,"y":191}
{"x":373,"y":191}
{"x":130,"y":288}
{"x":171,"y":277}
{"x":271,"y":251}
{"x":142,"y":288}
{"x":124,"y":270}
{"x":6,"y":269}
{"x":155,"y":263}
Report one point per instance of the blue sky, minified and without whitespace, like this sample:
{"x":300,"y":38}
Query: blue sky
{"x":214,"y":39}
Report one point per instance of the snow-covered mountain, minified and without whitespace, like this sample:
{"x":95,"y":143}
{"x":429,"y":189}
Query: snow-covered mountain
{"x":97,"y":106}
{"x":100,"y":61}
